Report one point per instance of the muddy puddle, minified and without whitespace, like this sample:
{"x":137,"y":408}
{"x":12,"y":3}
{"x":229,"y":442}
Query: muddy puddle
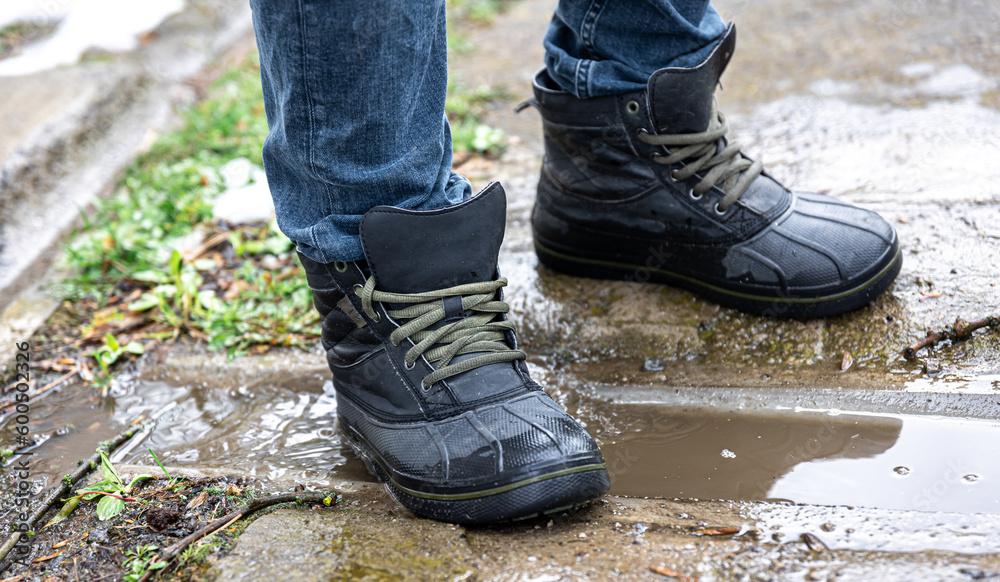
{"x":815,"y":457}
{"x":707,"y":450}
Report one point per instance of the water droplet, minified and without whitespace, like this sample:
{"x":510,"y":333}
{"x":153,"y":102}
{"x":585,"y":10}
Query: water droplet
{"x":728,"y":454}
{"x":970,"y":478}
{"x":902,"y":470}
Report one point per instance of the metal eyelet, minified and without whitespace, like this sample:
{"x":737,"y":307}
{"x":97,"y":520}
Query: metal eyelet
{"x":693,"y":195}
{"x":410,"y":366}
{"x":719,"y":211}
{"x":632,"y":107}
{"x":357,"y":291}
{"x":340,"y":266}
{"x":672,"y":176}
{"x":642,"y":131}
{"x":424,"y":387}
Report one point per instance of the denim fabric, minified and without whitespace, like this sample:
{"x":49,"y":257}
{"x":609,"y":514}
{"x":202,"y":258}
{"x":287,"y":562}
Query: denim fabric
{"x":604,"y":47}
{"x":354,"y":97}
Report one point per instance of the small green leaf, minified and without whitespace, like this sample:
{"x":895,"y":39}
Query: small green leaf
{"x":135,"y":348}
{"x":109,"y":507}
{"x":136,"y":480}
{"x":67,"y":509}
{"x":165,"y":290}
{"x":204,"y":264}
{"x":209,"y":301}
{"x":145,"y":302}
{"x":175,"y":263}
{"x":109,"y":472}
{"x":111,"y":341}
{"x":151,"y":276}
{"x":99,"y":486}
{"x":158,"y":566}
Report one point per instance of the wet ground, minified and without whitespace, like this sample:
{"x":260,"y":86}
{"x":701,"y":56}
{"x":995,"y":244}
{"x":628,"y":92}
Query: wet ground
{"x":890,"y":464}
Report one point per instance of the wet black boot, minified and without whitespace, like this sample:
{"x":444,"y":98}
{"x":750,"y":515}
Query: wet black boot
{"x":644,"y":186}
{"x":432,"y":391}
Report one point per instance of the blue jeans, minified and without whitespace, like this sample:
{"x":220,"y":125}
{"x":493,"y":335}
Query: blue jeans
{"x":354,"y":97}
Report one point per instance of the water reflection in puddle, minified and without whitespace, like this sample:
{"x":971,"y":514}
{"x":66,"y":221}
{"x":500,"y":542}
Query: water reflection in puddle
{"x":288,"y":434}
{"x":268,"y":432}
{"x":885,"y":461}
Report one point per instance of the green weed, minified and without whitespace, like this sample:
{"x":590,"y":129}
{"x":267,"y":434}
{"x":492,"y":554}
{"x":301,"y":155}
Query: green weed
{"x":128,"y":259}
{"x":140,"y":561}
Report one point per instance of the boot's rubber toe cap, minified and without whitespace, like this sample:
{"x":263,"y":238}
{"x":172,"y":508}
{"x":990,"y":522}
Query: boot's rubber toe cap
{"x":821,"y":246}
{"x":498,"y":462}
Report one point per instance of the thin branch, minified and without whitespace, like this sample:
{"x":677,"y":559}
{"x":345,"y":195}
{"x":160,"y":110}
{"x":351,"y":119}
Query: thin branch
{"x":958,"y":331}
{"x":64,"y":487}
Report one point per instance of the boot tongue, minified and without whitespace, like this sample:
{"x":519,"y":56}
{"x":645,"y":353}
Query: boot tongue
{"x":681,"y":99}
{"x":411,"y":251}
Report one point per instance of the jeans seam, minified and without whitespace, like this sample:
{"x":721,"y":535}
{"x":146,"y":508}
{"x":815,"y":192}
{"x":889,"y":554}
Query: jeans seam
{"x":589,"y":24}
{"x":577,"y":74}
{"x":587,"y":28}
{"x":310,"y":106}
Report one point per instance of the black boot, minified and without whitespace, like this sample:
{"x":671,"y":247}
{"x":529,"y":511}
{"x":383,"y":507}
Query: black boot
{"x":432,"y":391}
{"x":644,"y":186}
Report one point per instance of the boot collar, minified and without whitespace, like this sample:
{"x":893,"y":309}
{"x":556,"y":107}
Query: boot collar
{"x":680,"y":99}
{"x":411,"y":251}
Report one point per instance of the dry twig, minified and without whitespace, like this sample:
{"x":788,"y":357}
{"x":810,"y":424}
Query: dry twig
{"x":176,"y":549}
{"x":65,"y":486}
{"x":960,"y":330}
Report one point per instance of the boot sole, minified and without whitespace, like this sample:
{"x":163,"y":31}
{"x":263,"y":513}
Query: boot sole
{"x":777,"y":306}
{"x":544,"y":494}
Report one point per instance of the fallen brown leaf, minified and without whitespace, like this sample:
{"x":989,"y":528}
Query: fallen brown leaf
{"x":47,"y":558}
{"x":671,"y":573}
{"x":58,"y":545}
{"x":234,"y":490}
{"x":717,"y":531}
{"x":846,"y":362}
{"x":198,"y":500}
{"x":814,"y":543}
{"x":86,"y":374}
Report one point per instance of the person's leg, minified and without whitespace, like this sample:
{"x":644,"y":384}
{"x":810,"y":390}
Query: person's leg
{"x":641,"y":182}
{"x":354,"y":95}
{"x":603,"y":47}
{"x":432,"y":391}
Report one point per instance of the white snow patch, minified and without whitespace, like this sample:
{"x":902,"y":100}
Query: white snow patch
{"x":111,"y":25}
{"x":917,"y":69}
{"x":956,"y":81}
{"x":247,"y":197}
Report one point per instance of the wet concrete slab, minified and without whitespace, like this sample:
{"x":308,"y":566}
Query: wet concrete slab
{"x":889,"y":105}
{"x":366,"y":537}
{"x":889,"y":464}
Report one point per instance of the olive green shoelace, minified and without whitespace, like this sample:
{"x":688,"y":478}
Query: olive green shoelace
{"x":723,"y":166}
{"x":476,"y":333}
